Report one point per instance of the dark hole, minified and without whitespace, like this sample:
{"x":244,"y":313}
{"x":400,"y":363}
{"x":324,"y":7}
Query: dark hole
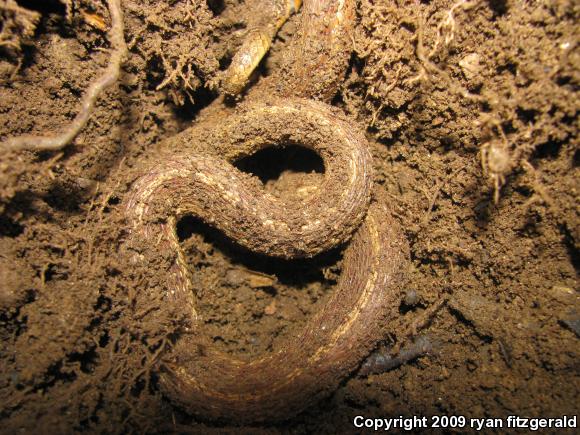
{"x":112,"y":201}
{"x":548,"y":150}
{"x":88,"y":360}
{"x":564,"y":80}
{"x":410,"y":27}
{"x":45,"y":7}
{"x":508,"y":127}
{"x":49,"y":273}
{"x":202,"y":97}
{"x":499,"y":7}
{"x":9,"y":228}
{"x":155,"y":72}
{"x":103,"y":304}
{"x":338,"y":100}
{"x":225,"y":61}
{"x":186,"y":227}
{"x":509,"y":66}
{"x":216,"y":6}
{"x":104,"y":339}
{"x":55,"y":373}
{"x":576,"y":158}
{"x":527,"y":116}
{"x":570,"y":244}
{"x":30,"y":296}
{"x":64,"y":197}
{"x":297,"y":272}
{"x":269,"y":163}
{"x":138,"y":387}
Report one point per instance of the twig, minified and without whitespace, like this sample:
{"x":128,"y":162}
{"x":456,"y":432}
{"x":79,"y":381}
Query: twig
{"x":421,"y":322}
{"x":108,"y":78}
{"x":383,"y":361}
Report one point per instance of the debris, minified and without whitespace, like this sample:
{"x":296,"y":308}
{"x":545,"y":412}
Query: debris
{"x":382,"y":361}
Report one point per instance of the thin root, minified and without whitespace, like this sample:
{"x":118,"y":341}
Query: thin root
{"x":445,"y":35}
{"x":107,"y":79}
{"x":541,"y":194}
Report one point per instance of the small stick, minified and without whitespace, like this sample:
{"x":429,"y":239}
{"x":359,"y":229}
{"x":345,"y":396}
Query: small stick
{"x":383,"y":361}
{"x":108,"y":78}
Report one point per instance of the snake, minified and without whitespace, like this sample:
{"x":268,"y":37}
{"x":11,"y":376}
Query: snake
{"x":343,"y":211}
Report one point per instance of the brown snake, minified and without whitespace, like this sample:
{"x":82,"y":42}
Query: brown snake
{"x":311,"y":363}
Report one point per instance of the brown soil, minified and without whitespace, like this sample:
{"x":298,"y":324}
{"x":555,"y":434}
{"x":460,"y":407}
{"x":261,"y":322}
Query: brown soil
{"x":472,"y":113}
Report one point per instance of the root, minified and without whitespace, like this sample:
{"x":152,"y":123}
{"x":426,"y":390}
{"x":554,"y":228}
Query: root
{"x":446,"y":28}
{"x":446,"y":34}
{"x":107,"y":79}
{"x":541,"y":193}
{"x":176,"y":72}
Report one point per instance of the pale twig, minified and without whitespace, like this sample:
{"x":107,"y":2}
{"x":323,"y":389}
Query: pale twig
{"x":108,"y":78}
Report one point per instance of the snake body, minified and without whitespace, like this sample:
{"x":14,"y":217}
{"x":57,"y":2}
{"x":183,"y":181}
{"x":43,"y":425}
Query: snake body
{"x":313,"y":362}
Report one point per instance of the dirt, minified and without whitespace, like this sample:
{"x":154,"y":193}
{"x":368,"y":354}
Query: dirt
{"x":471,"y":109}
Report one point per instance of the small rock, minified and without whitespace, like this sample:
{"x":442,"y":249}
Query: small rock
{"x":270,"y":309}
{"x":411,"y":298}
{"x":470,"y":65}
{"x":234,"y":277}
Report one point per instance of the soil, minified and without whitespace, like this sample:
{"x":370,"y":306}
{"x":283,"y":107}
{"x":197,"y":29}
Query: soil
{"x":471,"y":110}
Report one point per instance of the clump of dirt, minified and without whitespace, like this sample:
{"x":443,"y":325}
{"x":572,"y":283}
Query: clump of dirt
{"x":18,"y":25}
{"x":471,"y":109}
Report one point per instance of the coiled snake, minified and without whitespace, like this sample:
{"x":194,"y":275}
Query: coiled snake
{"x":312,"y":363}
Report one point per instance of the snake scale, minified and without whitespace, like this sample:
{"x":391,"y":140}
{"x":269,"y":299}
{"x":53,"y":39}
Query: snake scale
{"x":311,"y":363}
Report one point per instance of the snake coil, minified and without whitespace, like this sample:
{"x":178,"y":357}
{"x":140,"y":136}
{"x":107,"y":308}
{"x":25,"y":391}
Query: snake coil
{"x":312,"y":363}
